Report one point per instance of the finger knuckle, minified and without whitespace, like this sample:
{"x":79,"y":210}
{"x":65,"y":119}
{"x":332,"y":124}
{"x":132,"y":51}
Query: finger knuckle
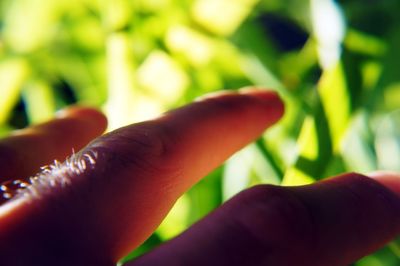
{"x":275,"y":217}
{"x":145,"y":145}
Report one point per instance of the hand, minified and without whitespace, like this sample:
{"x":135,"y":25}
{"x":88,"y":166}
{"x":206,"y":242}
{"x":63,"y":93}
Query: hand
{"x":109,"y":197}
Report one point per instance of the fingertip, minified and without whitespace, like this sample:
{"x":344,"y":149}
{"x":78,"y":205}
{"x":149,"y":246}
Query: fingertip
{"x":389,"y":179}
{"x":89,"y":114}
{"x":269,"y":97}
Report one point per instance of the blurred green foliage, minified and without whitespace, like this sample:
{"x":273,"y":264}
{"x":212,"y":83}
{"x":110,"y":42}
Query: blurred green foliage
{"x":336,"y":64}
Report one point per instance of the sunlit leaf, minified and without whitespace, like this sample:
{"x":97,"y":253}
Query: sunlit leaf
{"x":121,"y":83}
{"x":35,"y":28}
{"x":335,"y":98}
{"x":176,"y":220}
{"x":163,"y":77}
{"x":13,"y":74}
{"x":363,"y":43}
{"x":39,"y":99}
{"x":208,"y":14}
{"x":308,"y":150}
{"x":196,"y":47}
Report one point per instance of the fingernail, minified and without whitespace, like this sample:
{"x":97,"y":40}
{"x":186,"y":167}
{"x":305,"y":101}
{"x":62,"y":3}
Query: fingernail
{"x":261,"y":93}
{"x":268,"y":97}
{"x":89,"y":114}
{"x":62,"y":113}
{"x":77,"y":111}
{"x":214,"y":94}
{"x":250,"y":89}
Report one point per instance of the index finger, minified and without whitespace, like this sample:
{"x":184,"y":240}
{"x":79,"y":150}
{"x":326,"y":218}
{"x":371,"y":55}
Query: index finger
{"x":116,"y":191}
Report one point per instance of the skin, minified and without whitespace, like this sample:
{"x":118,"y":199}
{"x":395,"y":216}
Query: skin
{"x":110,"y":196}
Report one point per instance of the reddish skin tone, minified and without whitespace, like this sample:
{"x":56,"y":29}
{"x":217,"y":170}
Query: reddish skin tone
{"x":333,"y":222}
{"x":27,"y":149}
{"x":111,"y":207}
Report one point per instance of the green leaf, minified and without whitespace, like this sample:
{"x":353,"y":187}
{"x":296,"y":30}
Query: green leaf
{"x":39,"y":99}
{"x":13,"y":74}
{"x":336,"y":102}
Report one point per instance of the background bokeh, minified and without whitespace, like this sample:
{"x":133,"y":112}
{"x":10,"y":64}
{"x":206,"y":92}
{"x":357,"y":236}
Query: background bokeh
{"x":336,"y":64}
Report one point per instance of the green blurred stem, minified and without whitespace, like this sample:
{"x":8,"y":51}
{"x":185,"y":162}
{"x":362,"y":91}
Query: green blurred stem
{"x":270,"y":158}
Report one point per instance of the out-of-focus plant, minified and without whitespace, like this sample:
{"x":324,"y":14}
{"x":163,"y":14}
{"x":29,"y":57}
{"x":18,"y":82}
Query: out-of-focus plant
{"x":336,"y":64}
